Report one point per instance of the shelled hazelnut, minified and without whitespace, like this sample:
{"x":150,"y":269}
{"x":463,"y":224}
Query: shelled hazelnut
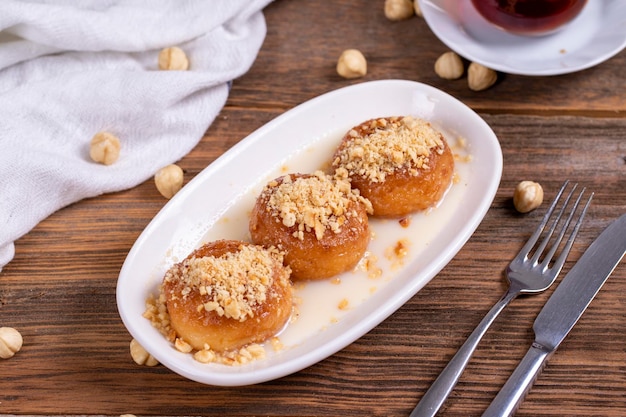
{"x":528,"y":196}
{"x":105,"y":148}
{"x":352,"y":64}
{"x":449,"y":66}
{"x":169,"y":180}
{"x":399,"y":9}
{"x":173,"y":59}
{"x":10,"y":342}
{"x":479,"y":77}
{"x":416,"y":7}
{"x":141,"y":355}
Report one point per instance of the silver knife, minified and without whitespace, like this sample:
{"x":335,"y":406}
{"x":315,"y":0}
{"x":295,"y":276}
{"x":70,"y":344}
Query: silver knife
{"x":561,"y":312}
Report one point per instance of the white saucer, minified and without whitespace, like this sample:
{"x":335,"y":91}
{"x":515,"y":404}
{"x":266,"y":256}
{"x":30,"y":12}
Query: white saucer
{"x":597,"y":34}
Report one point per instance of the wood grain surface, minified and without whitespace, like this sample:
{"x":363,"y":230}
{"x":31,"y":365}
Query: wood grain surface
{"x":59,"y":291}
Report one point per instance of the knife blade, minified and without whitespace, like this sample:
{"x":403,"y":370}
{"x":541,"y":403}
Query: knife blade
{"x":561,"y":312}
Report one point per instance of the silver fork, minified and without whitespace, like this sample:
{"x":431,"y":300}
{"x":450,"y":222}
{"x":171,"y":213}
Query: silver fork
{"x":530,"y":272}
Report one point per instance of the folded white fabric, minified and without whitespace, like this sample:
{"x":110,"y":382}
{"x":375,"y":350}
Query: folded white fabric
{"x":70,"y":69}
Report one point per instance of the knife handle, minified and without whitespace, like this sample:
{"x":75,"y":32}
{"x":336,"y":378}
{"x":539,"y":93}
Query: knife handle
{"x":519,"y":383}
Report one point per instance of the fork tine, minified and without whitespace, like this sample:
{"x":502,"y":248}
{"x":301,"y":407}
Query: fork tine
{"x":550,"y":232}
{"x":560,"y":261}
{"x":566,"y":224}
{"x":530,"y":243}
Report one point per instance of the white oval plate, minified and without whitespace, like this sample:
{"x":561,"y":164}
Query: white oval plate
{"x":216,"y":204}
{"x":597,"y":34}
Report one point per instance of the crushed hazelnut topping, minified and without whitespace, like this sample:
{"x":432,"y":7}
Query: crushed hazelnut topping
{"x":398,"y":252}
{"x":402,"y":248}
{"x":313,"y":203}
{"x":205,"y":356}
{"x":460,"y":150}
{"x":254,"y":351}
{"x":182,"y":346}
{"x":231,"y":285}
{"x":238,"y":357}
{"x":242,"y":356}
{"x":390,"y":145}
{"x":277,"y":345}
{"x":405,"y":222}
{"x":156,"y":312}
{"x":369,"y":264}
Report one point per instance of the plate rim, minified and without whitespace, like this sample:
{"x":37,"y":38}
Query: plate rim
{"x":258,"y":374}
{"x":428,"y":6}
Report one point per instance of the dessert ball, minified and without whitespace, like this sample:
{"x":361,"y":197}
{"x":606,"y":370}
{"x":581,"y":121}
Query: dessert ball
{"x":400,"y":164}
{"x":319,"y":221}
{"x":228,"y":294}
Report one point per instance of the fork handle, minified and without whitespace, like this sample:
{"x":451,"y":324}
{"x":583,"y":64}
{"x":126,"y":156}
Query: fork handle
{"x":434,"y":398}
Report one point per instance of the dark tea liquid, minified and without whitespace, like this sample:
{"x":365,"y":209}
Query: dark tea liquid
{"x":529,"y":16}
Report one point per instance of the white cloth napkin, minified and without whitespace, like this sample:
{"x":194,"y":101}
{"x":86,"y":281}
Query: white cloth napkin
{"x":72,"y":68}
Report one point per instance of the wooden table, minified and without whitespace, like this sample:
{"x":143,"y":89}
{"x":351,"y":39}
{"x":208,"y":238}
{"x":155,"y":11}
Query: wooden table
{"x":59,"y":291}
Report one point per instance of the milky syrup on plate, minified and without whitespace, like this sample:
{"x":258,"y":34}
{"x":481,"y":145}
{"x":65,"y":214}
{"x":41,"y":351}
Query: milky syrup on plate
{"x":394,"y":243}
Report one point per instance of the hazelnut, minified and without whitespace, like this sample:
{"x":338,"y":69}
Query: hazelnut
{"x":10,"y":342}
{"x":140,"y":355}
{"x":169,"y":180}
{"x":418,"y":10}
{"x":351,"y":64}
{"x":480,"y":77}
{"x":399,"y":9}
{"x":105,"y":148}
{"x":173,"y":58}
{"x":449,"y":66}
{"x":528,"y":196}
{"x":182,"y":346}
{"x":205,"y":356}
